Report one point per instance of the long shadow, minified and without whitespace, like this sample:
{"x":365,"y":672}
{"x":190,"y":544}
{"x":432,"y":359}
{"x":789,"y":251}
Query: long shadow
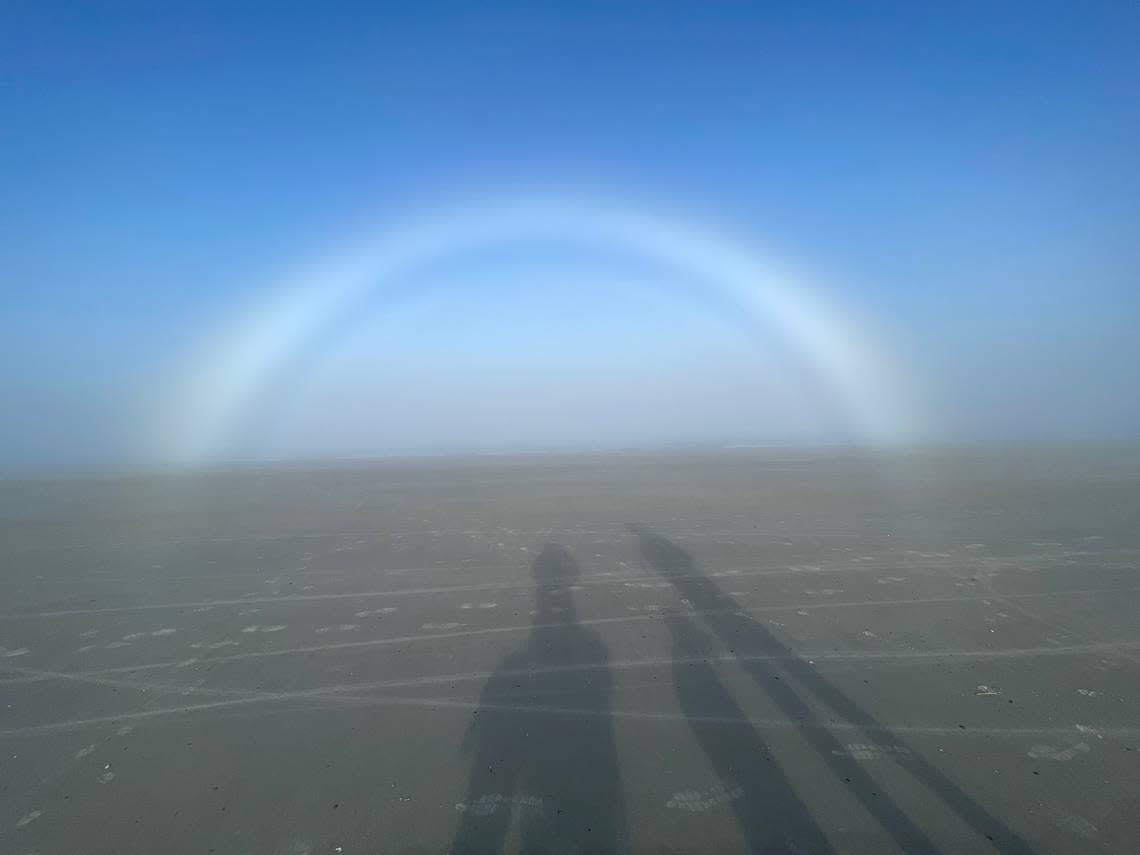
{"x":767,"y":809}
{"x":725,"y":617}
{"x":542,"y":741}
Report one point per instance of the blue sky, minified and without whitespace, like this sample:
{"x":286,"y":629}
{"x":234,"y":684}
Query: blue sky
{"x":965,"y":175}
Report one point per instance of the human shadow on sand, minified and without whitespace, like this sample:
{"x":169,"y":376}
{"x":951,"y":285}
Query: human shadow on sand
{"x":770,"y":814}
{"x":544,"y":772}
{"x":787,"y":679}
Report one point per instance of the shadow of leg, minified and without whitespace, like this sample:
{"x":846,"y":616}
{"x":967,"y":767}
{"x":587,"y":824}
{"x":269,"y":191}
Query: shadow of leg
{"x":488,"y":805}
{"x":768,"y":810}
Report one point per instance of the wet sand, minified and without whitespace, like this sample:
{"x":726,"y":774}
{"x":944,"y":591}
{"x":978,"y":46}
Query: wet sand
{"x":698,"y":652}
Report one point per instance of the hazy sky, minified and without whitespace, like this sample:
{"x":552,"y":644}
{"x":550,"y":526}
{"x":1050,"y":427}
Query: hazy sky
{"x":964,"y":178}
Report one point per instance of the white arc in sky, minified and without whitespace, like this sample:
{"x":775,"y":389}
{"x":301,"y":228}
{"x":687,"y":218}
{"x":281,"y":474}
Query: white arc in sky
{"x":237,"y":362}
